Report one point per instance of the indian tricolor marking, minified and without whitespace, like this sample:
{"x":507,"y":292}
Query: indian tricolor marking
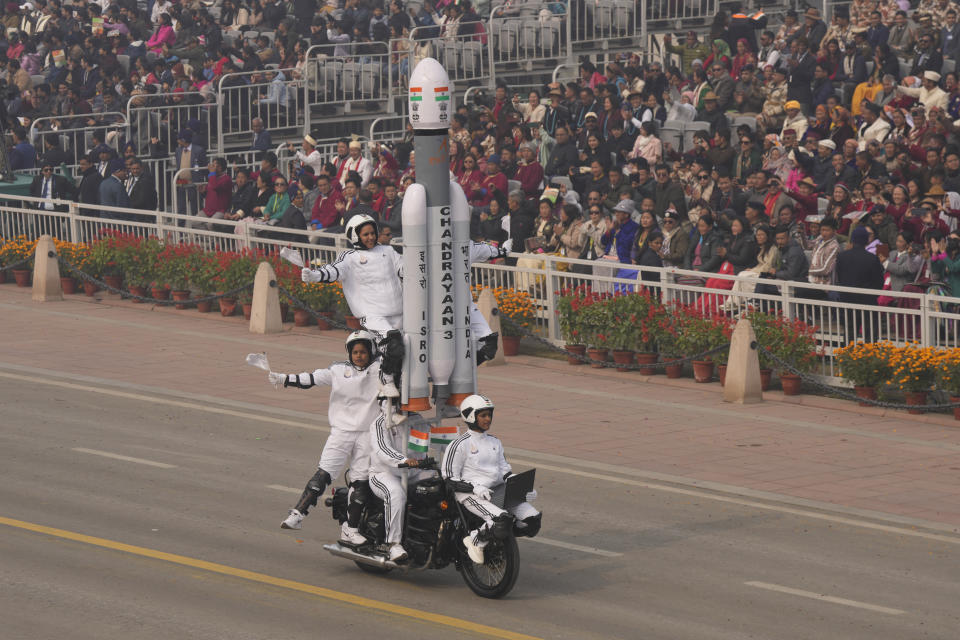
{"x":442,"y":435}
{"x":419,"y":441}
{"x":416,"y":94}
{"x":441,"y":94}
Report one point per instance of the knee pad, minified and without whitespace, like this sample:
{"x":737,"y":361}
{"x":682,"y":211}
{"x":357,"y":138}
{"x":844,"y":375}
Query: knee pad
{"x":487,"y":347}
{"x":502,"y":526}
{"x":532,"y":526}
{"x":319,"y":482}
{"x":392,"y":349}
{"x":360,"y":492}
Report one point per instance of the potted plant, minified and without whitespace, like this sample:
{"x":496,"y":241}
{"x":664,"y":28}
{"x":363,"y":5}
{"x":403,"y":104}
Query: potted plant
{"x":646,"y":315}
{"x":203,"y":278}
{"x":948,"y":376}
{"x":571,"y":322}
{"x":72,"y":253}
{"x":914,"y":370}
{"x":767,"y":331}
{"x":104,"y":263}
{"x":622,"y":328}
{"x":140,"y":260}
{"x":595,"y":325}
{"x":701,"y":332}
{"x":177,"y":263}
{"x":796,"y":345}
{"x":670,"y":328}
{"x":517,"y":311}
{"x":16,"y":251}
{"x":866,"y":365}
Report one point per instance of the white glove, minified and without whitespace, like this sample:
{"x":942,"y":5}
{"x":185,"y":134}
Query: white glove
{"x":309,"y":275}
{"x":277,"y":379}
{"x":508,"y":245}
{"x":532,"y":495}
{"x":481,"y":492}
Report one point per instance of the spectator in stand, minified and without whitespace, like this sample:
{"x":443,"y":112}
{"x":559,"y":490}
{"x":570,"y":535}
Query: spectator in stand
{"x":801,"y":68}
{"x":702,"y":253}
{"x":902,"y":36}
{"x":529,"y":172}
{"x":711,"y":113}
{"x":668,"y":193}
{"x":355,"y":162}
{"x":217,"y":194}
{"x":325,"y":209}
{"x":856,"y":267}
{"x":50,"y":187}
{"x":775,"y":97}
{"x":243,"y":199}
{"x":823,"y":259}
{"x":112,"y":192}
{"x":141,"y":190}
{"x":23,"y":155}
{"x":692,"y":49}
{"x":261,"y":137}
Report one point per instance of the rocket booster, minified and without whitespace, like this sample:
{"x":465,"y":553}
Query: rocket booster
{"x":415,"y":391}
{"x":462,"y":382}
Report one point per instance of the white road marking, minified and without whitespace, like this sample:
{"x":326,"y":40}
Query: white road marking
{"x":280,"y":487}
{"x":569,"y":470}
{"x":575,"y":547}
{"x":824,"y":598}
{"x":116,"y":456}
{"x":540,"y":539}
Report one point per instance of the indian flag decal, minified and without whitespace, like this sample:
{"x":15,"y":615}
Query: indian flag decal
{"x":442,"y":435}
{"x":419,"y":441}
{"x":416,"y":94}
{"x":441,"y":94}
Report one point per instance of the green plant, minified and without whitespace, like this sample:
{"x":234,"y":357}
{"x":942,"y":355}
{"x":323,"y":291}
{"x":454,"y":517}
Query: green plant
{"x":791,"y":341}
{"x":16,"y":250}
{"x":914,"y":368}
{"x":204,"y":276}
{"x":176,"y":265}
{"x":568,"y":312}
{"x":319,"y":296}
{"x":865,"y":364}
{"x":139,"y":258}
{"x":948,"y":371}
{"x":698,"y":333}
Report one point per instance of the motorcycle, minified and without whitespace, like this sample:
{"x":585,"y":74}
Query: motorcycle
{"x":434,"y":526}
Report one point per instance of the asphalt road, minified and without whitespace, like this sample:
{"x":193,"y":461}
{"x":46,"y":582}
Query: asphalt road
{"x":181,"y":540}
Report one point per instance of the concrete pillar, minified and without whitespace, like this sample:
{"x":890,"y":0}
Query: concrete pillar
{"x":487,"y":304}
{"x":265,"y":314}
{"x":743,"y":367}
{"x":46,"y":272}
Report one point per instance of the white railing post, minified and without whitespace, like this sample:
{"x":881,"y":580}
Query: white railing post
{"x":643,"y":27}
{"x":786,"y":297}
{"x":928,"y":322}
{"x":549,"y":290}
{"x":73,"y":210}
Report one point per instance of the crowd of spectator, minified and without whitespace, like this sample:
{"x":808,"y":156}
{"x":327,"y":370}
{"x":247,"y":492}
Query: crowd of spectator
{"x":845,"y":135}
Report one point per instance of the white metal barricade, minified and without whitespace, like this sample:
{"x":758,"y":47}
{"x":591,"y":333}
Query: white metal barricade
{"x":350,"y":78}
{"x":527,"y":36}
{"x":159,"y":119}
{"x":77,"y":141}
{"x":276,"y":96}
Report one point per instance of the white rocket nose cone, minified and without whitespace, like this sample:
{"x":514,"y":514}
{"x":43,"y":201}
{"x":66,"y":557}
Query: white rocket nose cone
{"x":429,"y":100}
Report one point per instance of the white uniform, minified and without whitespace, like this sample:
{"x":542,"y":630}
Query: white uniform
{"x":371,"y":281}
{"x":361,"y":165}
{"x":353,"y":406}
{"x":477,"y":458}
{"x":480,"y":252}
{"x":313,"y":160}
{"x":386,"y":452}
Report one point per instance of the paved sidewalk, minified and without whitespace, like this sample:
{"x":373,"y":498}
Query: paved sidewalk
{"x":810,"y":448}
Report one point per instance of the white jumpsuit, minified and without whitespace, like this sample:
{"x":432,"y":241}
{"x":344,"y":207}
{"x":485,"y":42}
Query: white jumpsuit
{"x":353,"y":406}
{"x":371,"y":280}
{"x":480,"y":252}
{"x":386,"y":453}
{"x":477,"y":458}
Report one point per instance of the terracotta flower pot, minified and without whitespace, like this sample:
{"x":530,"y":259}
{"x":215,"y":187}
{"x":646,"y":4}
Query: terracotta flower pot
{"x":916,"y":398}
{"x":722,"y":374}
{"x":138,"y":291}
{"x":766,"y":376}
{"x":575,"y":350}
{"x":791,"y":384}
{"x":205,"y":306}
{"x":22,"y":277}
{"x":647,"y":358}
{"x":114,"y":281}
{"x":673,"y":370}
{"x":160,"y":293}
{"x":284,"y":311}
{"x":247,"y":310}
{"x":68,"y":284}
{"x":623,"y":358}
{"x":956,"y":410}
{"x":90,"y":288}
{"x":867,"y":393}
{"x":180,"y":294}
{"x":301,"y":318}
{"x":228,"y":306}
{"x":599,"y":356}
{"x":703,"y":370}
{"x":353,"y":322}
{"x":511,"y":345}
{"x":323,"y":320}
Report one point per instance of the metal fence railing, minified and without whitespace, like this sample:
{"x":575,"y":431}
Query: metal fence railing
{"x":275,"y":96}
{"x":674,"y":15}
{"x":930,"y":319}
{"x":156,"y":121}
{"x":75,"y":135}
{"x":351,"y":78}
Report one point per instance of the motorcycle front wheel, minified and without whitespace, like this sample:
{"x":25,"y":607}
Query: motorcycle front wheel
{"x":497,"y":575}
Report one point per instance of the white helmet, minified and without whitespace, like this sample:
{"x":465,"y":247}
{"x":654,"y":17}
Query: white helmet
{"x":471,"y":405}
{"x":362,"y":335}
{"x":352,"y":230}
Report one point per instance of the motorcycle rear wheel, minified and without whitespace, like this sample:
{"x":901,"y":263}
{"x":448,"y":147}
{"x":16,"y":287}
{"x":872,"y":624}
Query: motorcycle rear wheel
{"x":497,"y":575}
{"x":369,"y":568}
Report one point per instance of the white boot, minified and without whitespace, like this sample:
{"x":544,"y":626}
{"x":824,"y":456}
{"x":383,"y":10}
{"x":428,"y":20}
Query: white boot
{"x":350,"y":535}
{"x":397,"y":552}
{"x":474,"y":549}
{"x":293,"y":520}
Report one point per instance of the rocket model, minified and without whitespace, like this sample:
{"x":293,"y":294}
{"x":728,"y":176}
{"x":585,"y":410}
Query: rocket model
{"x":436,"y":243}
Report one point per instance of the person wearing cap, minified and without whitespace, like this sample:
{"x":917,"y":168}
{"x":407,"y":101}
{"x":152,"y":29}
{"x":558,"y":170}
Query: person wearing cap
{"x":711,"y":112}
{"x":794,"y":120}
{"x":308,"y":154}
{"x":774,"y":98}
{"x":112,"y":191}
{"x":555,"y":114}
{"x":356,"y":162}
{"x":812,"y":30}
{"x":676,"y":238}
{"x":621,"y":234}
{"x":929,"y":93}
{"x":529,"y":172}
{"x":822,"y":162}
{"x":840,"y":28}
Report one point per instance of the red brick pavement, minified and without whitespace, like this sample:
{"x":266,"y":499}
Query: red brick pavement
{"x":806,"y":447}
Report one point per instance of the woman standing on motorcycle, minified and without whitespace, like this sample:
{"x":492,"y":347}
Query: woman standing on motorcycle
{"x":356,"y":387}
{"x":477,"y":458}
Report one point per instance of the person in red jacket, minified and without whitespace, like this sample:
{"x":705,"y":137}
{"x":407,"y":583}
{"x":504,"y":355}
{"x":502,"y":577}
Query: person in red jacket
{"x":218,"y":190}
{"x":529,"y":171}
{"x":325,"y":212}
{"x":482,"y":193}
